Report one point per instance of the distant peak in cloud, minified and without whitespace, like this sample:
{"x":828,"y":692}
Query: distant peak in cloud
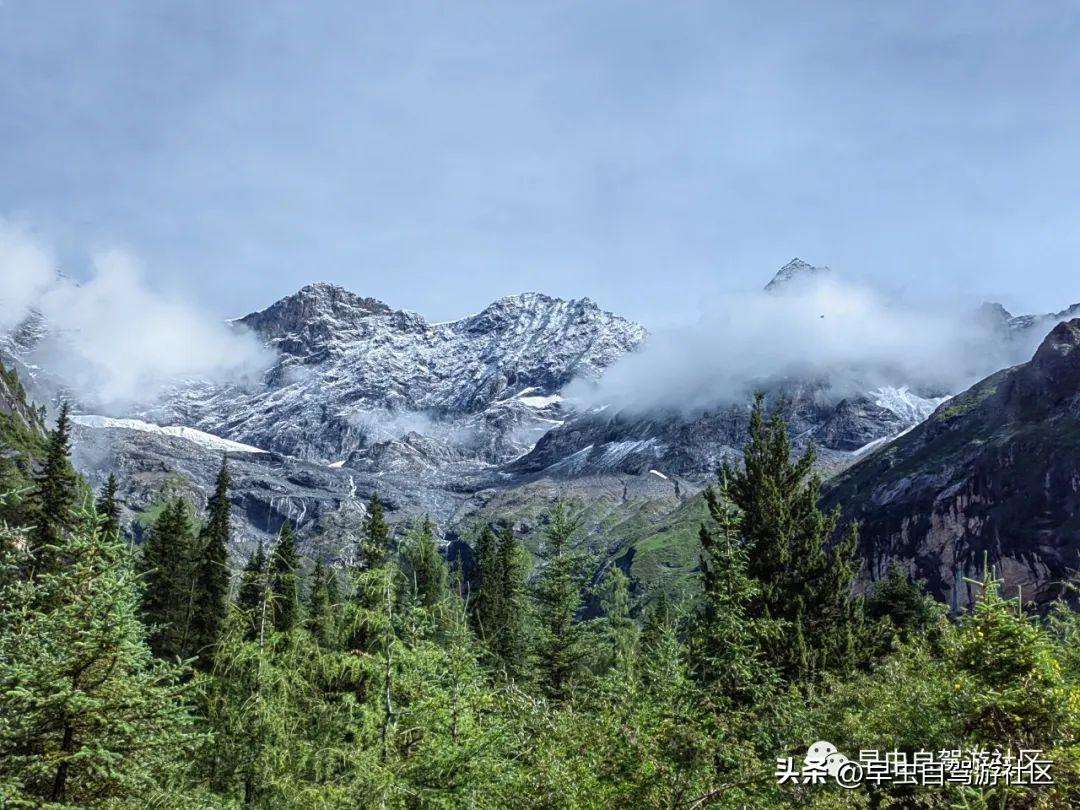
{"x":795,"y":270}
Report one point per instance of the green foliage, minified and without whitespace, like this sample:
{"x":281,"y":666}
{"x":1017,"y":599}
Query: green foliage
{"x":400,"y":693}
{"x":211,"y":574}
{"x":728,"y":642}
{"x":560,"y":645}
{"x":285,"y":581}
{"x":323,"y":606}
{"x":168,"y":573}
{"x":252,"y":594}
{"x":898,"y":609}
{"x":500,"y":607}
{"x":53,"y":498}
{"x":86,"y":714}
{"x":22,"y":444}
{"x":804,"y":578}
{"x":617,"y":634}
{"x":423,"y":567}
{"x":108,"y":510}
{"x":374,"y":548}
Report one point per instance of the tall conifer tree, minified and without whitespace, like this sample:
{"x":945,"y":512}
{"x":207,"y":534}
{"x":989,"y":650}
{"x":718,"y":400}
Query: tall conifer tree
{"x":510,"y":634}
{"x":253,"y":584}
{"x":560,"y":647}
{"x":211,"y":573}
{"x":426,"y":574}
{"x":285,"y":581}
{"x":322,"y":602}
{"x":54,"y":496}
{"x":804,"y":578}
{"x":108,"y":509}
{"x":167,"y":574}
{"x":486,"y":593}
{"x":374,"y":544}
{"x":87,"y":716}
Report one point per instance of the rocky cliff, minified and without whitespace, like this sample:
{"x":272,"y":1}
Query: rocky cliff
{"x":994,"y":471}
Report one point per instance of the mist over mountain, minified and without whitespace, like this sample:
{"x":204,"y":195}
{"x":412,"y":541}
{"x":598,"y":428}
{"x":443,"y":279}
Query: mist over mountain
{"x":112,"y":342}
{"x":807,"y":324}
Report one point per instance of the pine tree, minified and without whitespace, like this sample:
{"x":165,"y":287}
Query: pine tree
{"x":285,"y":581}
{"x":486,"y":593}
{"x":108,"y":509}
{"x":87,"y":716}
{"x":560,"y":647}
{"x":253,"y":585}
{"x":211,"y":573}
{"x":322,"y":604}
{"x":727,"y":641}
{"x":368,"y":576}
{"x":618,"y":634}
{"x":53,"y":498}
{"x":374,"y":547}
{"x":426,"y":573}
{"x":510,"y":633}
{"x":659,"y":616}
{"x":804,"y":578}
{"x":167,"y":573}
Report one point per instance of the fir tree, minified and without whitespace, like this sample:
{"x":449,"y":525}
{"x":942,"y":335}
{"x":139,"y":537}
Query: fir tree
{"x":108,"y":509}
{"x":618,"y":634}
{"x":510,"y":635}
{"x":727,"y":651}
{"x":53,"y":498}
{"x":253,"y":585}
{"x":485,"y":607}
{"x":87,"y":716}
{"x":167,"y":573}
{"x":560,"y":647}
{"x":322,"y":604}
{"x":659,"y":616}
{"x":373,"y":564}
{"x":425,"y":571}
{"x":374,"y":547}
{"x":211,"y":573}
{"x":285,"y":581}
{"x":803,"y":577}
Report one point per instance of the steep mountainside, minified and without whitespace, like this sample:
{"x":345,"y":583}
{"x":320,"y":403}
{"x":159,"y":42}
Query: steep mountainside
{"x":460,"y":421}
{"x":22,"y":441}
{"x":995,"y":470}
{"x":353,"y":373}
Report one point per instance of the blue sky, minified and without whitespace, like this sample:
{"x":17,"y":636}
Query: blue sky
{"x":649,"y":155}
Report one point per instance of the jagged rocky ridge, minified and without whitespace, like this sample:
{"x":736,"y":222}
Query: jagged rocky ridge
{"x":995,"y":471}
{"x":353,"y":374}
{"x":455,"y":420}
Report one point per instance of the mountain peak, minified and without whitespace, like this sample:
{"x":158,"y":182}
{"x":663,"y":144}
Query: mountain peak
{"x":796,"y":269}
{"x":310,"y":304}
{"x":1061,"y":347}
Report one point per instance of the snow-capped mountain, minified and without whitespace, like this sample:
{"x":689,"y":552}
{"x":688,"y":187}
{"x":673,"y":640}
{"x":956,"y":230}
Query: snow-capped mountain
{"x":353,"y":373}
{"x":795,"y":270}
{"x":442,"y":419}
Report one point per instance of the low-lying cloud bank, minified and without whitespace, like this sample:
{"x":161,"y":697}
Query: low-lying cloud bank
{"x":113,"y":340}
{"x":846,"y":335}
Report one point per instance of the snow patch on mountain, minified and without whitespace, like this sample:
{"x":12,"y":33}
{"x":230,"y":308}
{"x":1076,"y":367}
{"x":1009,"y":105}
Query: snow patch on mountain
{"x":352,"y":372}
{"x":904,"y":403}
{"x":190,"y":434}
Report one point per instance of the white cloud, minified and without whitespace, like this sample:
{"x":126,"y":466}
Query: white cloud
{"x":26,"y":269}
{"x":808,"y":330}
{"x":114,"y":340}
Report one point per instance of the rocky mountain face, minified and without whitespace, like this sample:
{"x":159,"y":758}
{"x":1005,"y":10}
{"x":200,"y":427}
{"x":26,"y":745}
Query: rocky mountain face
{"x":460,"y":421}
{"x":796,"y":269}
{"x":353,"y":374}
{"x":601,"y":442}
{"x":994,"y":471}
